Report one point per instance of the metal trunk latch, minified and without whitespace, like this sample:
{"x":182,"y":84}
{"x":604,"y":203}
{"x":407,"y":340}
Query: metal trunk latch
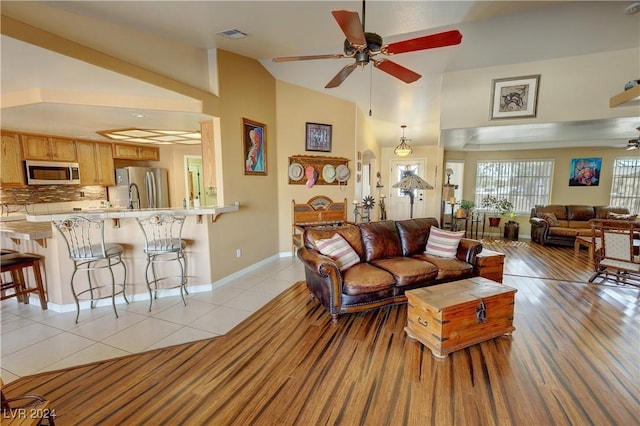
{"x":481,"y":312}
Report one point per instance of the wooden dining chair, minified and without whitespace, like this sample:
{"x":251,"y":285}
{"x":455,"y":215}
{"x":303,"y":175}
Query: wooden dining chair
{"x":616,"y":257}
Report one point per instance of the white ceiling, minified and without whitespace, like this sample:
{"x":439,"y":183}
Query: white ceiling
{"x":521,"y":31}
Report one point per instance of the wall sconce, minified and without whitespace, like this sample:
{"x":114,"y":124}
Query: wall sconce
{"x":403,"y":149}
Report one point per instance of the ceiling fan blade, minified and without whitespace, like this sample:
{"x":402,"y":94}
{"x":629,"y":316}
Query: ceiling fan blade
{"x":309,"y":57}
{"x":350,"y":24}
{"x":396,"y":70}
{"x":447,"y":38}
{"x":341,"y":76}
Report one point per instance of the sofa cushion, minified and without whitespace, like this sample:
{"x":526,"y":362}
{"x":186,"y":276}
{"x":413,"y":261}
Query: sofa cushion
{"x":407,"y":270}
{"x":380,"y":239}
{"x":339,"y":250}
{"x":443,"y":243}
{"x":579,"y":224}
{"x":581,"y":213}
{"x":414,"y":233}
{"x":365,"y":278}
{"x":448,"y":268}
{"x":350,"y":232}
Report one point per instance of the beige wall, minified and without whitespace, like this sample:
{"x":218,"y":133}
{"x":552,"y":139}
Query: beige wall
{"x":575,"y":88}
{"x":295,"y":107}
{"x":367,"y":145}
{"x":561,"y":192}
{"x":248,"y":91}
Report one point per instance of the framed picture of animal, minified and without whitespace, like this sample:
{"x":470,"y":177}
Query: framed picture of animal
{"x":515,"y":97}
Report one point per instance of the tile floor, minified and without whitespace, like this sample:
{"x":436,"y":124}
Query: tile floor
{"x":33,"y":340}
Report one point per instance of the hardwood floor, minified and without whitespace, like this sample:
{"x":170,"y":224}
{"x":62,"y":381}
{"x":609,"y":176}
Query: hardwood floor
{"x":573,"y":359}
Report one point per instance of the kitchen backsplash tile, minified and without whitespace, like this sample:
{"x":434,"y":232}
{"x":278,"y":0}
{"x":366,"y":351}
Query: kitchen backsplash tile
{"x":36,"y":194}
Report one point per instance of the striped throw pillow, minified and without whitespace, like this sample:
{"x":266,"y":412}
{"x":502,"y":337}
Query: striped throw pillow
{"x":443,"y":243}
{"x":338,"y":249}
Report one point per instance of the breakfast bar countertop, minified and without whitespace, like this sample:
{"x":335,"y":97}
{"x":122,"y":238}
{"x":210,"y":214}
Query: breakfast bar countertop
{"x":23,"y":230}
{"x":119,"y":213}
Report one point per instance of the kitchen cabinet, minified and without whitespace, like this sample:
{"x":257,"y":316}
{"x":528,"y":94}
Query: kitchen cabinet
{"x":11,"y":160}
{"x":37,"y":147}
{"x":96,"y":163}
{"x":135,"y":152}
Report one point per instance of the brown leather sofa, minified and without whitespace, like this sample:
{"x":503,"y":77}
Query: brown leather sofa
{"x":392,"y":260}
{"x":560,"y":224}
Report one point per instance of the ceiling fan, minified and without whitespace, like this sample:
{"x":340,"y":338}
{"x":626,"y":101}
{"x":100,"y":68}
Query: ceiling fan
{"x":634,"y":143}
{"x":364,"y":46}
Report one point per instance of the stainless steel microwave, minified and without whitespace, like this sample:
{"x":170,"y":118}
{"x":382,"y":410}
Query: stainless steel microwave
{"x":52,"y":173}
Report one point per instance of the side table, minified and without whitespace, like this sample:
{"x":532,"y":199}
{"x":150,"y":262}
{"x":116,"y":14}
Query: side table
{"x":490,"y":264}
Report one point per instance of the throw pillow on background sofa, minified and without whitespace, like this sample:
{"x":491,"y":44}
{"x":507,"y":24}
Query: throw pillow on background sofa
{"x":338,"y":249}
{"x":621,"y":216}
{"x":551,"y":219}
{"x":443,"y":243}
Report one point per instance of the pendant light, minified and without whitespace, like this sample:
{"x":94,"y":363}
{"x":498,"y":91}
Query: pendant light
{"x":403,"y":149}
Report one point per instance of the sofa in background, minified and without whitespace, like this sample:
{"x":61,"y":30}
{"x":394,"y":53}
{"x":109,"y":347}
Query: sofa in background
{"x":561,"y":224}
{"x":389,"y":259}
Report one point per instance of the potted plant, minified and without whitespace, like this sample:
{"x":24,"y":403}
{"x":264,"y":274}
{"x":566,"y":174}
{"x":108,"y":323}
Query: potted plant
{"x":465,"y":208}
{"x":499,"y":207}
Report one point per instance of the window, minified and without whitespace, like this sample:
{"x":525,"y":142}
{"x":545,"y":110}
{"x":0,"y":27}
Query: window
{"x":525,"y":183}
{"x":625,"y":185}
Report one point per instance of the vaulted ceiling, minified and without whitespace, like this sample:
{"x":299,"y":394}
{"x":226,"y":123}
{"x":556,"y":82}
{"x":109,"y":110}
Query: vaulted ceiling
{"x":494,"y":33}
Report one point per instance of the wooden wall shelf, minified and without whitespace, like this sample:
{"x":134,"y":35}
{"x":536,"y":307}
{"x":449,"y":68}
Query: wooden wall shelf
{"x":318,"y":162}
{"x":632,"y":94}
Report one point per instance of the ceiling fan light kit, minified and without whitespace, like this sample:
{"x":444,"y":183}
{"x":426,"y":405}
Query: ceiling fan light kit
{"x":364,"y":46}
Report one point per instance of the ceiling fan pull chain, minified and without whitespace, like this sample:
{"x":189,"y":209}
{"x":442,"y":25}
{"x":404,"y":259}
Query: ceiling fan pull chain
{"x":370,"y":87}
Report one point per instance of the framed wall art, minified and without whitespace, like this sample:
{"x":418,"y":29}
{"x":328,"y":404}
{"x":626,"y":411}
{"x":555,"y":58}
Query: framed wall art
{"x":254,"y":147}
{"x":585,"y":171}
{"x":318,"y":137}
{"x":515,"y":97}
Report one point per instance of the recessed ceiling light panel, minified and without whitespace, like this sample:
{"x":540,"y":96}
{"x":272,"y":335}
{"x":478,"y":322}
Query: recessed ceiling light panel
{"x":155,"y":136}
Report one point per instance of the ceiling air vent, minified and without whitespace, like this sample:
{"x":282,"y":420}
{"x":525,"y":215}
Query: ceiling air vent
{"x":232,"y":34}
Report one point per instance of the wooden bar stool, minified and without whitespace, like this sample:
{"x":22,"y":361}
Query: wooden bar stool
{"x":15,"y":263}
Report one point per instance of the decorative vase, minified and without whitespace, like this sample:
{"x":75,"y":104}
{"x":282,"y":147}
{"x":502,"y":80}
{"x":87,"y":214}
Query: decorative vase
{"x":494,"y":221}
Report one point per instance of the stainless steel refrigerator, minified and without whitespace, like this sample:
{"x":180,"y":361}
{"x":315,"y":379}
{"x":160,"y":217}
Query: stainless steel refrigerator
{"x":151,"y":183}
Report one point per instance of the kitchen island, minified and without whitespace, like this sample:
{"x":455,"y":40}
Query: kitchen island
{"x":37,"y":235}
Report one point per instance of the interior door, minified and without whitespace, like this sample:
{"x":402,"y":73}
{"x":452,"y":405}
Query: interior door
{"x":399,"y":203}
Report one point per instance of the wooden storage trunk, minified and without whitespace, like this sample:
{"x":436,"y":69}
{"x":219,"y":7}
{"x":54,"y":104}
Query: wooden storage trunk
{"x":490,"y":264}
{"x":452,"y":316}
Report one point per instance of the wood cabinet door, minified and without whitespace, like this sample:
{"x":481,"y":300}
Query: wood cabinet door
{"x":63,"y":150}
{"x":36,"y":147}
{"x":128,"y":152}
{"x":104,"y":162}
{"x":87,"y":161}
{"x":149,"y":153}
{"x":11,"y":160}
